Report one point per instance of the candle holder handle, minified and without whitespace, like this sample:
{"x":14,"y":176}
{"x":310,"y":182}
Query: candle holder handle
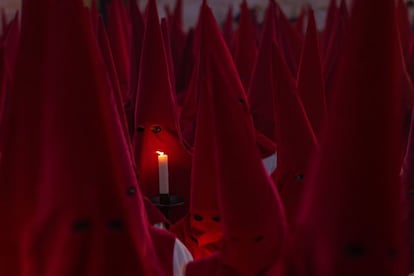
{"x":166,"y":202}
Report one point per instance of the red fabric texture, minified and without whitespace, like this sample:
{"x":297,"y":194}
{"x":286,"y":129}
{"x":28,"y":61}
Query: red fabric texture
{"x":408,"y":193}
{"x":112,"y":77}
{"x":343,"y":11}
{"x":297,"y":141}
{"x":3,"y":21}
{"x":165,"y":29}
{"x":137,"y":31}
{"x":245,"y":50}
{"x":202,"y":239}
{"x":8,"y":54}
{"x":266,"y":146}
{"x":94,"y":16}
{"x":261,"y":92}
{"x":154,"y":214}
{"x":186,"y":70}
{"x":156,"y":127}
{"x":79,"y":210}
{"x":252,"y":214}
{"x":310,"y":80}
{"x":228,"y":28}
{"x":2,"y":82}
{"x":351,"y":219}
{"x":289,"y":41}
{"x":329,"y":31}
{"x":404,"y":27}
{"x":300,"y":21}
{"x":118,"y":38}
{"x":201,"y":230}
{"x":178,"y":41}
{"x":332,"y":56}
{"x":17,"y":142}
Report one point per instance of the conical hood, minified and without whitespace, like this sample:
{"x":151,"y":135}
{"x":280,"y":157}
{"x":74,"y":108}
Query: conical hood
{"x":8,"y":54}
{"x":296,"y":139}
{"x":332,"y":57}
{"x":300,"y":21}
{"x":310,"y":80}
{"x":331,"y":18}
{"x":343,"y":11}
{"x":351,"y":220}
{"x":245,"y":51}
{"x":186,"y":68}
{"x":251,"y":214}
{"x":289,"y":41}
{"x":18,"y":139}
{"x":83,"y":213}
{"x":165,"y":29}
{"x":178,"y":38}
{"x":106,"y":53}
{"x":228,"y":29}
{"x":201,"y":229}
{"x":261,"y":92}
{"x":137,"y":31}
{"x":118,"y":37}
{"x":155,"y":117}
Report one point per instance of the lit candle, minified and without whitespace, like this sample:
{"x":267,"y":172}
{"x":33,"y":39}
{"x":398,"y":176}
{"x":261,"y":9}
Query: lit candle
{"x":163,"y":172}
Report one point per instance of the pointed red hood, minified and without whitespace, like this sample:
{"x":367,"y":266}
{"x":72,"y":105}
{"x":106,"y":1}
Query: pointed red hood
{"x":3,"y":21}
{"x":17,"y":137}
{"x":261,"y":92}
{"x":351,"y":220}
{"x":228,"y":29}
{"x":83,"y":212}
{"x":9,"y":49}
{"x":204,"y":175}
{"x":165,"y":29}
{"x":296,"y":139}
{"x":332,"y":57}
{"x":289,"y":41}
{"x":201,"y":229}
{"x":186,"y":70}
{"x":343,"y":11}
{"x":118,"y":37}
{"x":11,"y":43}
{"x":300,"y":21}
{"x":137,"y":31}
{"x":328,"y":31}
{"x":310,"y":80}
{"x":178,"y":38}
{"x":155,"y":116}
{"x":245,"y":52}
{"x":251,"y":214}
{"x":94,"y":16}
{"x":112,"y":78}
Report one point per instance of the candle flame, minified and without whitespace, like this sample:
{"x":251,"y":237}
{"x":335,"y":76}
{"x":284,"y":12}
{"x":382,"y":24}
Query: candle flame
{"x":160,"y":153}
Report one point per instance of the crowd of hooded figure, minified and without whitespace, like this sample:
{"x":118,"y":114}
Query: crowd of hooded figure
{"x":292,"y":149}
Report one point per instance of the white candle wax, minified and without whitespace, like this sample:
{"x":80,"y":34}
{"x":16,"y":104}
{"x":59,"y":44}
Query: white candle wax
{"x":163,"y":172}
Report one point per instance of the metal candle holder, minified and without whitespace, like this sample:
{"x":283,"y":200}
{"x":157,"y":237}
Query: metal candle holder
{"x":166,"y":202}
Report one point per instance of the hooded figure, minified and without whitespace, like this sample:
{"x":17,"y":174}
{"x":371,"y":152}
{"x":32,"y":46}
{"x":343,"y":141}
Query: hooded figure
{"x":351,"y":219}
{"x":200,"y":230}
{"x":69,"y":169}
{"x":252,"y":216}
{"x":310,"y":81}
{"x":156,"y":127}
{"x":245,"y":47}
{"x":297,"y":141}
